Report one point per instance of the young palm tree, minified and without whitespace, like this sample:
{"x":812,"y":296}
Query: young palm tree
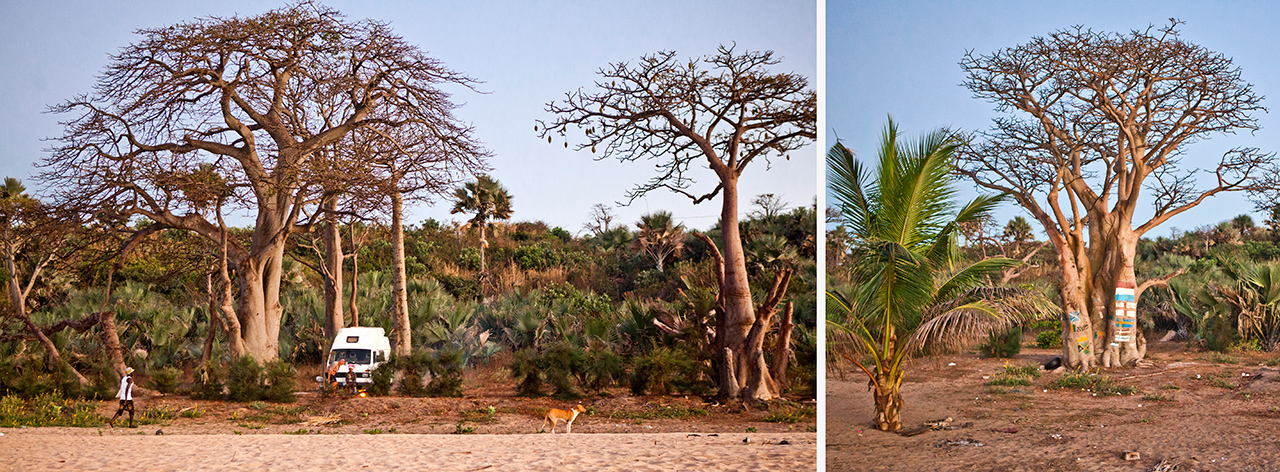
{"x":908,"y":293}
{"x":488,"y":199}
{"x":659,"y":237}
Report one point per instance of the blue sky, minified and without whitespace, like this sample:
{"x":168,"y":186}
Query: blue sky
{"x":901,"y":58}
{"x":526,"y":53}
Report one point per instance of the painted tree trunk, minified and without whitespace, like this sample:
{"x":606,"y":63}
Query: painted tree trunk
{"x":401,"y":331}
{"x":1117,"y":282}
{"x":1078,"y":351}
{"x":739,"y":309}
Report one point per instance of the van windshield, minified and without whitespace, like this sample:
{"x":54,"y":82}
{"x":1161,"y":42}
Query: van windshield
{"x":352,"y":356}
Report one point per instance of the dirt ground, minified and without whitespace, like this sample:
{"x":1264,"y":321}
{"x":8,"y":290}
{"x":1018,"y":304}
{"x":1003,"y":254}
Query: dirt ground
{"x":489,"y":406}
{"x":1194,"y":411}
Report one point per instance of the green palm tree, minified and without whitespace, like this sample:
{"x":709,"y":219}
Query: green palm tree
{"x":488,"y":199}
{"x":908,"y":293}
{"x":659,"y":237}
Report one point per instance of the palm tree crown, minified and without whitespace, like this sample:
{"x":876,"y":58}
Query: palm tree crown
{"x":488,"y":199}
{"x":659,"y":237}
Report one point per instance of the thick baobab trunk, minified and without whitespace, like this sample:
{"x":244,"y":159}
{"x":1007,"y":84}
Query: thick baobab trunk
{"x":332,"y":274}
{"x":782,"y":352}
{"x":401,"y":331}
{"x":253,"y":313}
{"x":1116,"y":284}
{"x":888,"y":403}
{"x":1078,"y":339}
{"x":739,"y":311}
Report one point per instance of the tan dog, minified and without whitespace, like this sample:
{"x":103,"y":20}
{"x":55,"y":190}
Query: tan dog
{"x":555,"y":416}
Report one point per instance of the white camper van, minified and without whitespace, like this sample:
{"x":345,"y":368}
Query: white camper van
{"x":363,"y":349}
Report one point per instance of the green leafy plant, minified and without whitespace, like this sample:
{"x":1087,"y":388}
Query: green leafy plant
{"x":462,"y":428}
{"x":525,"y":367}
{"x":208,"y":382}
{"x":1100,"y":385}
{"x":165,"y":379}
{"x":244,"y":380}
{"x":281,"y":379}
{"x":1003,"y":345}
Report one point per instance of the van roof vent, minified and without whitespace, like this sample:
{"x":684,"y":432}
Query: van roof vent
{"x":353,"y":339}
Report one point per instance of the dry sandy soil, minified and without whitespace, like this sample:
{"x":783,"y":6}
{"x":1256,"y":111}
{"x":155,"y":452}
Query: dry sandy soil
{"x":619,"y":432}
{"x":1195,"y":411}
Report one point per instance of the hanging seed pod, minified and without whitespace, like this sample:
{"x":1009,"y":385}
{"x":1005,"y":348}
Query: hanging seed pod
{"x":566,"y":145}
{"x":593,"y":149}
{"x":548,"y":139}
{"x":535,"y":128}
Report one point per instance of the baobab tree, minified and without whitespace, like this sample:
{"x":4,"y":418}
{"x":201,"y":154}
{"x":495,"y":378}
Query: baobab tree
{"x":726,"y":116}
{"x":257,"y":97}
{"x":1097,"y":122}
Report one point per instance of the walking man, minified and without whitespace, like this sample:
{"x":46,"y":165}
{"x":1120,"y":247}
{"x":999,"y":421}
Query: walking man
{"x":126,"y":398}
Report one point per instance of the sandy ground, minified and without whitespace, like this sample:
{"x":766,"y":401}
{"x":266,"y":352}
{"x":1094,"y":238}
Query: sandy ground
{"x":64,"y":449}
{"x":1227,"y":419}
{"x":620,"y":432}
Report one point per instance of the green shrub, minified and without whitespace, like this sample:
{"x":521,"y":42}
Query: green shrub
{"x":460,"y":287}
{"x":1219,"y":333}
{"x":601,"y":367}
{"x":281,"y":380}
{"x":244,"y":380}
{"x":412,"y":366}
{"x":208,"y":382}
{"x":47,"y":409}
{"x":525,"y":367}
{"x":446,"y":374}
{"x":660,"y":372}
{"x":469,"y":258}
{"x":381,"y":377}
{"x":560,"y":363}
{"x":1003,"y":345}
{"x":165,"y":379}
{"x":1099,"y":385}
{"x":1009,"y":381}
{"x":790,"y":416}
{"x":1049,"y":339}
{"x":1028,"y":370}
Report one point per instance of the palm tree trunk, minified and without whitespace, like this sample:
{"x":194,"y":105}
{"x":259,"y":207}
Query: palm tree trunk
{"x":888,"y":404}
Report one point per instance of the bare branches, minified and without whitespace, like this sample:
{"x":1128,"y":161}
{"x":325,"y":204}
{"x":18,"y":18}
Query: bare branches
{"x":662,"y":108}
{"x":249,"y":101}
{"x":1118,"y":107}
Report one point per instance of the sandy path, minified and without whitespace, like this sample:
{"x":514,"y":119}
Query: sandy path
{"x":55,"y":449}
